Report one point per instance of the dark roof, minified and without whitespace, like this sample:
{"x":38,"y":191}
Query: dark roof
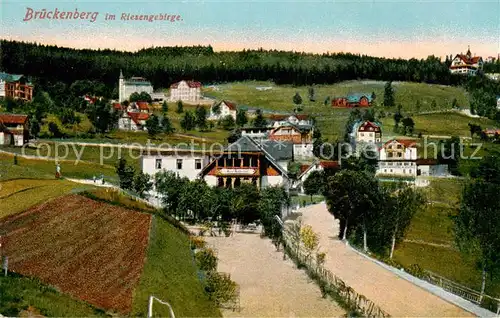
{"x":191,"y":84}
{"x":279,"y":150}
{"x":244,"y":144}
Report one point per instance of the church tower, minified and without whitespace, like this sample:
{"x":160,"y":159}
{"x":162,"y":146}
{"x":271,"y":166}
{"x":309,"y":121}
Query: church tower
{"x":121,"y":88}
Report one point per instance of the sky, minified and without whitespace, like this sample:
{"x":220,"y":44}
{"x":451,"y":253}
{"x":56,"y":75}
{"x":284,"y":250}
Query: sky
{"x":389,"y":28}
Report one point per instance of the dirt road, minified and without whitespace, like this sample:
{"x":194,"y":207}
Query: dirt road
{"x":393,"y":294}
{"x":269,"y":286}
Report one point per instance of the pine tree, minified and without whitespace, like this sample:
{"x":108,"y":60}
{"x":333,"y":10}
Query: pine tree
{"x":201,"y":118}
{"x":259,"y":120}
{"x":188,"y":121}
{"x":180,"y":107}
{"x":166,"y":125}
{"x":388,"y":95}
{"x":164,"y":107}
{"x":241,"y":118}
{"x":153,"y":125}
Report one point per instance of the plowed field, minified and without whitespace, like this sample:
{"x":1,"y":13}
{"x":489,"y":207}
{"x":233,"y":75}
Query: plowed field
{"x":88,"y":249}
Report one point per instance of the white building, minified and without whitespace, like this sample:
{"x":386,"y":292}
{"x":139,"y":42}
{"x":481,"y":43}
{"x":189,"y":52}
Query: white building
{"x":297,"y":120}
{"x":133,"y":121}
{"x":127,"y":87}
{"x":186,"y":91}
{"x":466,"y":64}
{"x":498,"y":102}
{"x":368,"y":132}
{"x":257,"y":133}
{"x":185,"y":163}
{"x":3,"y":77}
{"x":430,"y":168}
{"x":222,"y":109}
{"x":14,"y":129}
{"x":303,"y":151}
{"x":398,"y":158}
{"x":306,"y":171}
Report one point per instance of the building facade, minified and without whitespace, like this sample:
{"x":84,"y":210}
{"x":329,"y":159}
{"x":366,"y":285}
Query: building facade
{"x":127,"y":87}
{"x":369,"y":132}
{"x":398,"y":158}
{"x":186,"y":91}
{"x":466,"y":64}
{"x":222,"y":109}
{"x":14,"y":129}
{"x":133,"y":121}
{"x":292,"y":133}
{"x":186,"y":164}
{"x":353,"y":100}
{"x":15,"y":86}
{"x":283,"y":120}
{"x":245,"y":161}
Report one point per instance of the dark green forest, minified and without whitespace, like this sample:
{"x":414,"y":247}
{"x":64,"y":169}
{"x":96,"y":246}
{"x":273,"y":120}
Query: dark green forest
{"x":165,"y":65}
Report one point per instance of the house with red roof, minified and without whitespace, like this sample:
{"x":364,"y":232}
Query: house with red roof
{"x":14,"y":129}
{"x":143,"y":107}
{"x":368,"y":132}
{"x":133,"y":121}
{"x":222,"y":109}
{"x":353,"y":100}
{"x":307,"y":169}
{"x":186,"y":91}
{"x":466,"y":64}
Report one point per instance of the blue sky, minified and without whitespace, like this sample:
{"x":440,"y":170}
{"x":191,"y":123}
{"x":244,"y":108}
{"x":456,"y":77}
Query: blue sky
{"x":384,"y":28}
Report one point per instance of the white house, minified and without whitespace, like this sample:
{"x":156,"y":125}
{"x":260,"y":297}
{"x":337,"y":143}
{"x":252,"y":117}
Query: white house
{"x":466,"y":64}
{"x":133,"y":121}
{"x":185,"y":163}
{"x":127,"y":87}
{"x":431,"y":168}
{"x":297,"y":120}
{"x":222,"y":109}
{"x":3,"y":77}
{"x":498,"y":102}
{"x":306,"y":170}
{"x":14,"y":129}
{"x":398,"y":157}
{"x":186,"y":91}
{"x":368,"y":132}
{"x":257,"y":133}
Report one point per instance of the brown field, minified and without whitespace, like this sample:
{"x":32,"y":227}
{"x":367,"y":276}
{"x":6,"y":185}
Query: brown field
{"x":88,"y":249}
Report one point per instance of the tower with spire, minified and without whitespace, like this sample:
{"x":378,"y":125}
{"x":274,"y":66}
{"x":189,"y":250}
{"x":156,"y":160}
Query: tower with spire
{"x":466,"y":64}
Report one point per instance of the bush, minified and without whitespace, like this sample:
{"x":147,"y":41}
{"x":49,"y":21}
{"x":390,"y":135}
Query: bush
{"x":220,"y":288}
{"x":197,"y":242}
{"x":206,"y":259}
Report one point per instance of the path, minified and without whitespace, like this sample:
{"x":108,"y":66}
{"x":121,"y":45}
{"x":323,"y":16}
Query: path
{"x":269,"y":286}
{"x":393,"y":294}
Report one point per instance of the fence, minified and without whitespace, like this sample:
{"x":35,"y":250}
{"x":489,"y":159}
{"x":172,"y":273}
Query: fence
{"x":471,"y":295}
{"x":352,"y":299}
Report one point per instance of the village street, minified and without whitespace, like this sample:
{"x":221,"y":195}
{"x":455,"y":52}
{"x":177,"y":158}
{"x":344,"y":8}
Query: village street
{"x":269,"y":286}
{"x":392,"y":293}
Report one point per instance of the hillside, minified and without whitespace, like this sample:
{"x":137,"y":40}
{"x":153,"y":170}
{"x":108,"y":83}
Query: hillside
{"x":332,"y":121}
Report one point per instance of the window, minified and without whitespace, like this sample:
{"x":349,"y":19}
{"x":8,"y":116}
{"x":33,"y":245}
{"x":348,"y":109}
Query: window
{"x":179,"y":164}
{"x":361,"y":134}
{"x":197,"y":164}
{"x":158,"y":164}
{"x":404,"y":170}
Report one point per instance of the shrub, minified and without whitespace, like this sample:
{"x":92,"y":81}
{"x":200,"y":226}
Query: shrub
{"x":197,"y":242}
{"x":206,"y":260}
{"x":220,"y":288}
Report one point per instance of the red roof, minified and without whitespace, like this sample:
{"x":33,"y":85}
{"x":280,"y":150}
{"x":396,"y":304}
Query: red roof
{"x":142,"y":105}
{"x":303,"y":168}
{"x":408,"y":143}
{"x":191,"y":84}
{"x":137,"y":117}
{"x":329,"y":164}
{"x":429,"y":162}
{"x":231,"y":105}
{"x":367,"y":125}
{"x":117,"y":106}
{"x":13,"y":119}
{"x":467,"y":60}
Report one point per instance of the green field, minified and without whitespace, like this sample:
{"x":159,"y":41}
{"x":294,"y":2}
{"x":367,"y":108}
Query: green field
{"x":21,"y":294}
{"x":171,"y":275}
{"x":332,"y":121}
{"x":40,"y":168}
{"x":439,"y":124}
{"x":431,"y":239}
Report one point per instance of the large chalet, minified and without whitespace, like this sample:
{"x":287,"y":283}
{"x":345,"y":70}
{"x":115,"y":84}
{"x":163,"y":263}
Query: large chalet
{"x":246,"y":161}
{"x":186,"y":91}
{"x":15,"y":86}
{"x":398,"y":157}
{"x":353,"y":100}
{"x":466,"y":64}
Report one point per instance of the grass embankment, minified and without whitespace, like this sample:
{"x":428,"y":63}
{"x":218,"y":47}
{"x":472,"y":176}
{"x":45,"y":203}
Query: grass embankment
{"x":332,"y":121}
{"x":431,"y":239}
{"x":21,"y":294}
{"x":171,"y":275}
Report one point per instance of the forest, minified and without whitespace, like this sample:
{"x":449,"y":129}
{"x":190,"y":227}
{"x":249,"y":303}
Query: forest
{"x":165,"y":65}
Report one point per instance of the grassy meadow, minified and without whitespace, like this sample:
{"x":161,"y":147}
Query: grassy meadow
{"x":430,"y":239}
{"x":332,"y":121}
